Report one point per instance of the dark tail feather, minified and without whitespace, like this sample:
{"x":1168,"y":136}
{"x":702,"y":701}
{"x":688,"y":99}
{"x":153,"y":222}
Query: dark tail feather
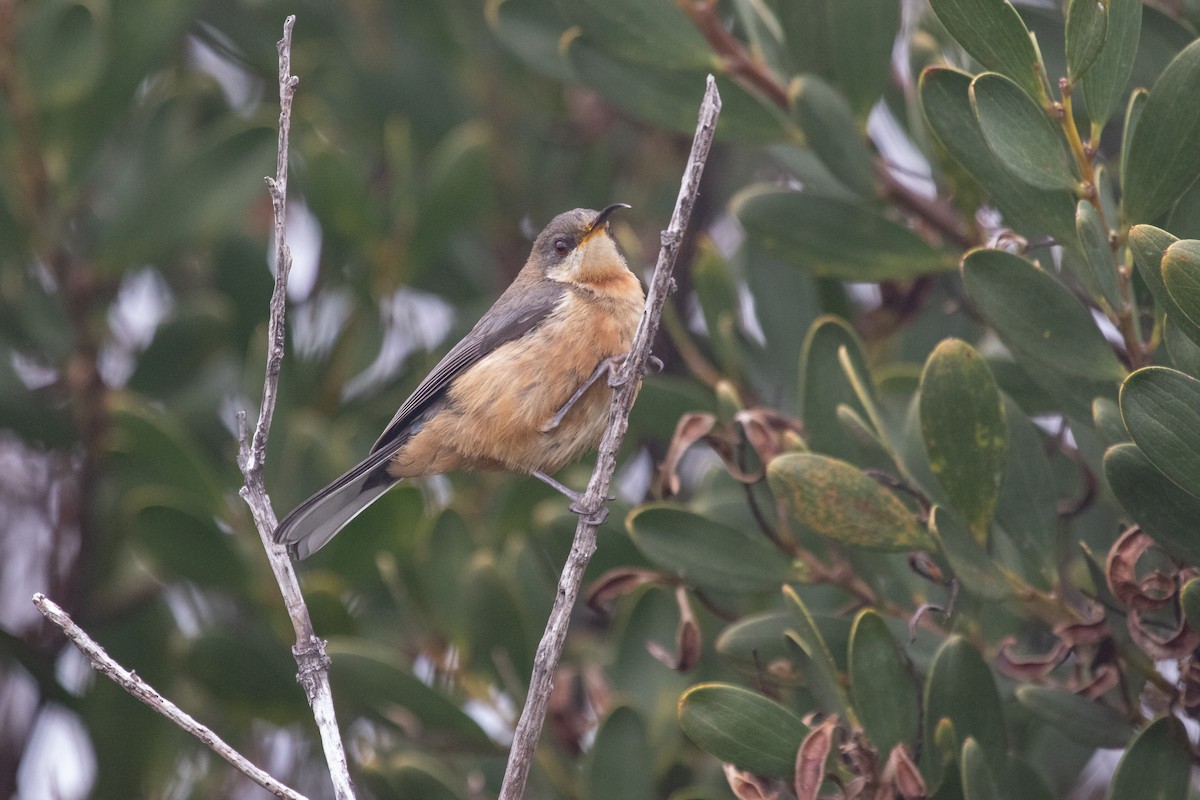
{"x":314,"y":522}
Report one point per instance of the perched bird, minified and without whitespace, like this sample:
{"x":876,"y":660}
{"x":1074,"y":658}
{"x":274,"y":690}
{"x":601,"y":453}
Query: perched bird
{"x":520,"y":392}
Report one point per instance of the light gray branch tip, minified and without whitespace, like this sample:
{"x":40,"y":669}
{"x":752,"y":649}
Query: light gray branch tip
{"x":128,"y":680}
{"x":529,"y":726}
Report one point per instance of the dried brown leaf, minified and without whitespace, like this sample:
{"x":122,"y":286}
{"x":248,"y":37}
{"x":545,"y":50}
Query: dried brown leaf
{"x":811,"y":758}
{"x":691,"y":428}
{"x":902,"y":777}
{"x":1177,"y":644}
{"x":618,"y":582}
{"x":688,"y":642}
{"x":747,"y":786}
{"x":1092,"y":630}
{"x":1029,"y":666}
{"x":1104,"y":677}
{"x":1153,"y":591}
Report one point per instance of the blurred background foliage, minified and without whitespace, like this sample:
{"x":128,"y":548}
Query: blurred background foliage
{"x":911,"y":511}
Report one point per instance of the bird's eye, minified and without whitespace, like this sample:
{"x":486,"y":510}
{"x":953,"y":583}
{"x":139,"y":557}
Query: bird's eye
{"x":562,"y":247}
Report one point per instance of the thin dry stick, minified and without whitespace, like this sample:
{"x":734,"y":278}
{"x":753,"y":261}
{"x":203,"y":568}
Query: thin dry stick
{"x":128,"y":680}
{"x":529,"y":727}
{"x":309,"y":650}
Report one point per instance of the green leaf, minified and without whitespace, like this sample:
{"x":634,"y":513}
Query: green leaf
{"x":1105,"y":82}
{"x":1148,"y":245}
{"x":1162,"y":509}
{"x":824,"y":385}
{"x":1163,"y":160}
{"x":1181,"y":276}
{"x":946,"y":102}
{"x":959,"y":687}
{"x":994,"y":34}
{"x":976,"y":570}
{"x":182,"y":537}
{"x":1133,"y":113}
{"x":1101,"y":278}
{"x":1027,"y":507}
{"x":658,"y":34}
{"x":881,"y":684}
{"x":831,"y":131}
{"x":1157,"y":766}
{"x":861,"y":35}
{"x":824,"y":678}
{"x":532,"y":30}
{"x":756,"y":638}
{"x":1184,"y":352}
{"x":742,"y":728}
{"x":411,"y":775}
{"x":706,"y":553}
{"x":840,"y":501}
{"x":966,"y":436}
{"x":1087,"y":27}
{"x":669,"y":96}
{"x":621,"y":765}
{"x":369,"y":679}
{"x":1189,"y":601}
{"x":64,"y":47}
{"x":1020,"y":133}
{"x":1037,"y":316}
{"x":978,"y":779}
{"x":834,"y":238}
{"x":1161,"y":409}
{"x":496,"y":626}
{"x":1085,"y":721}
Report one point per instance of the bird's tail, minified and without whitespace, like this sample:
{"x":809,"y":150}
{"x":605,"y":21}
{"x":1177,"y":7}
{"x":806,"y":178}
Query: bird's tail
{"x":314,"y":522}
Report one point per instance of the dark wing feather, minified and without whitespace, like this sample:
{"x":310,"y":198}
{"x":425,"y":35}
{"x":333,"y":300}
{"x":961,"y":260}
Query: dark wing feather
{"x":513,"y":315}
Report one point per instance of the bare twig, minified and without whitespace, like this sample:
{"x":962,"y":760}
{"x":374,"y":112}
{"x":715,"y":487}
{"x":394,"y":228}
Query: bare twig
{"x":128,"y":680}
{"x":529,"y":727}
{"x":309,"y":650}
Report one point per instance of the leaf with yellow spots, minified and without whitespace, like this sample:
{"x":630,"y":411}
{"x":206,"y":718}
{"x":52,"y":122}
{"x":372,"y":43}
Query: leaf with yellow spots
{"x":966,"y":436}
{"x":843,"y":503}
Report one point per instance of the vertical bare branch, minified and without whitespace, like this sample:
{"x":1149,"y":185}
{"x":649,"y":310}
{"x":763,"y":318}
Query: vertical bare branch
{"x":309,"y":650}
{"x":128,"y":680}
{"x":529,"y":727}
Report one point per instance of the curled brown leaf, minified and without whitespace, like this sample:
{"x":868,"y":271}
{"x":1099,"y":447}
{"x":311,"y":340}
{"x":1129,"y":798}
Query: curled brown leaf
{"x":747,"y":786}
{"x":691,"y":428}
{"x":1104,"y":677}
{"x":688,"y":642}
{"x":618,"y":582}
{"x":1029,"y":667}
{"x":811,"y":758}
{"x":1176,"y":644}
{"x":1140,"y":594}
{"x":901,"y":776}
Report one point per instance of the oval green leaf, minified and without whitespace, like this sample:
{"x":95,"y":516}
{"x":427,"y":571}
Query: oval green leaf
{"x":881,"y":684}
{"x":369,"y":679}
{"x":1181,"y":276}
{"x":840,"y":501}
{"x":621,"y":765}
{"x":966,"y":435}
{"x":742,"y":728}
{"x":946,"y":102}
{"x":1163,"y":159}
{"x":1161,"y":409}
{"x":861,"y":35}
{"x":832,"y":132}
{"x":1087,"y":27}
{"x":1105,"y":82}
{"x":1157,"y":765}
{"x":994,"y":34}
{"x":1148,"y":245}
{"x":834,"y":238}
{"x":706,"y":553}
{"x":1020,"y":133}
{"x":978,"y":778}
{"x":975,"y":568}
{"x":1101,"y":274}
{"x":824,"y":385}
{"x":1027,"y":507}
{"x":1083,"y":720}
{"x":1161,"y":508}
{"x":960,"y":688}
{"x":755,"y":639}
{"x":1037,"y":316}
{"x":824,"y":677}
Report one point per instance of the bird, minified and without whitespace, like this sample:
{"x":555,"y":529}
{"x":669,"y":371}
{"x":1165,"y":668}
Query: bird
{"x":522,"y":390}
